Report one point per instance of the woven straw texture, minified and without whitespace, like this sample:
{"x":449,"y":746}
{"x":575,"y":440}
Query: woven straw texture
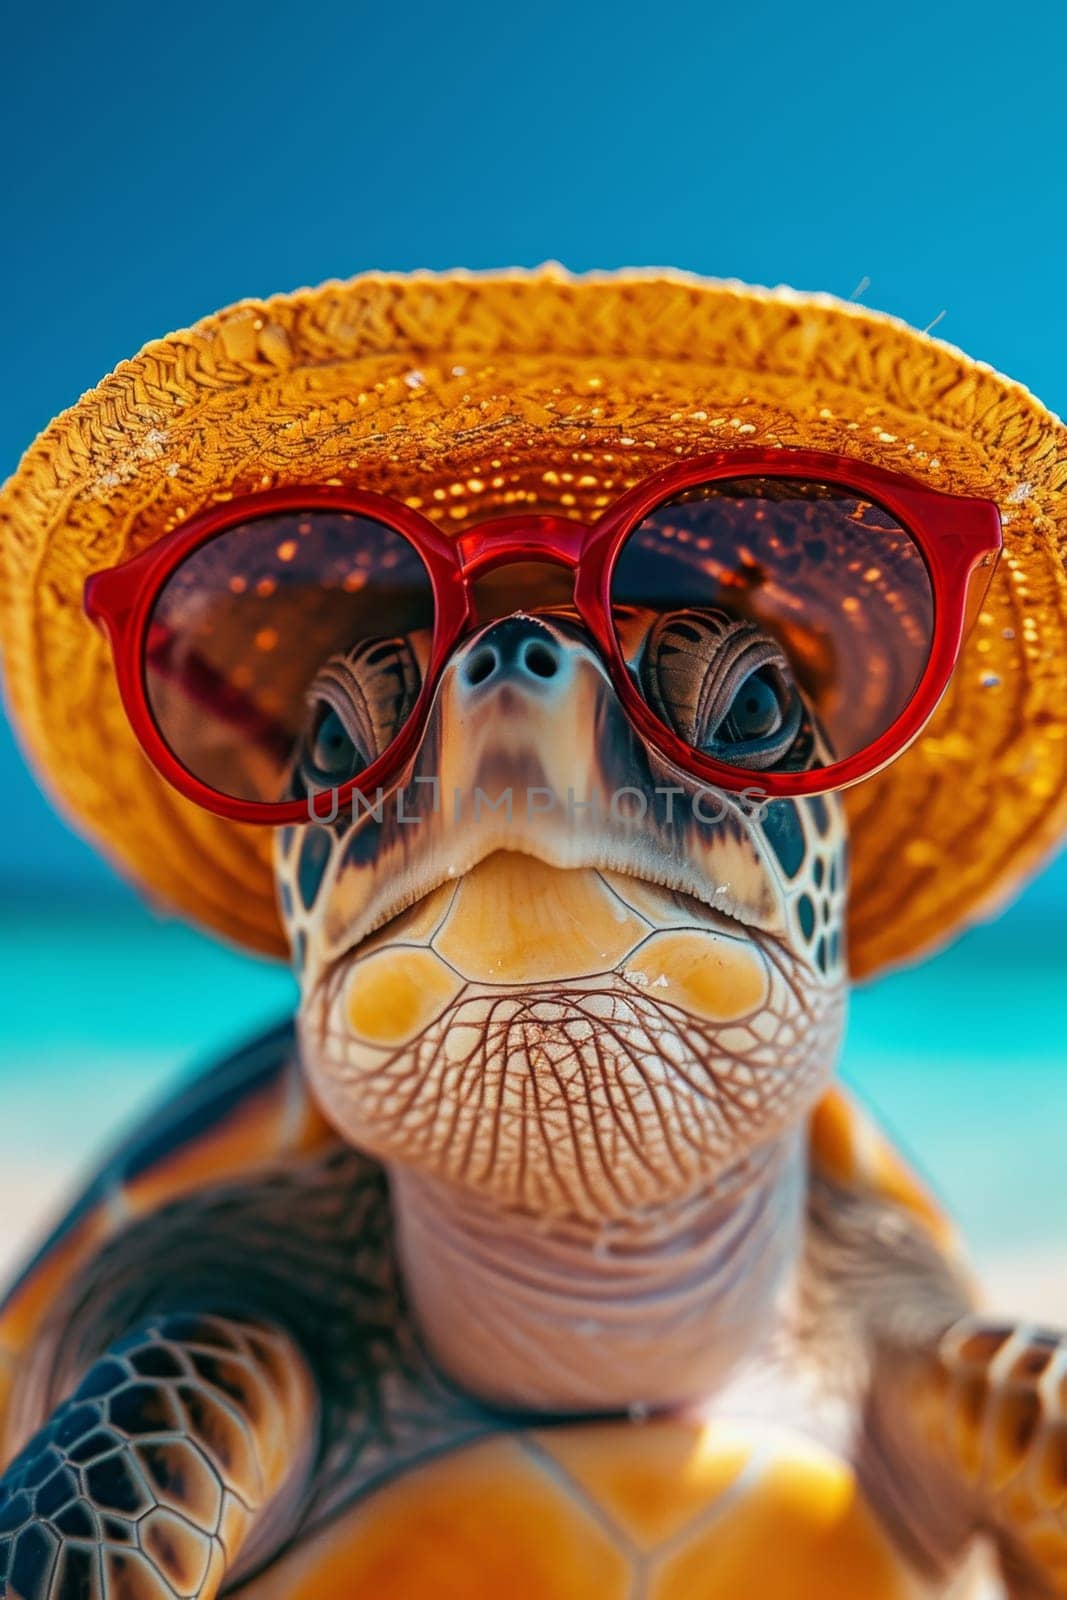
{"x":465,"y":393}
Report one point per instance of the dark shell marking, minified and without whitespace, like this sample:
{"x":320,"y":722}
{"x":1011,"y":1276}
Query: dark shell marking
{"x":240,"y":1115}
{"x":180,"y":1431}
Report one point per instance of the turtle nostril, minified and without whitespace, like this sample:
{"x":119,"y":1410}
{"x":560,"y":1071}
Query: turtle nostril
{"x":539,"y":659}
{"x":512,"y":653}
{"x":481,"y":665}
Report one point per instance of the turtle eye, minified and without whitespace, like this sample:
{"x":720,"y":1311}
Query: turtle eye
{"x":724,"y":686}
{"x":358,"y":704}
{"x":757,"y":710}
{"x":332,"y":757}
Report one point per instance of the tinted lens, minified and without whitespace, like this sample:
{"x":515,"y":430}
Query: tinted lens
{"x":286,"y":653}
{"x":774,"y":623}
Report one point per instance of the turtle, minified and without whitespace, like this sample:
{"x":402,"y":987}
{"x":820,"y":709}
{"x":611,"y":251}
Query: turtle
{"x":540,"y":1252}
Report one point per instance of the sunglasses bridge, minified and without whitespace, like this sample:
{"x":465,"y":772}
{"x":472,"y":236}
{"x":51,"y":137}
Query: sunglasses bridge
{"x":521,"y":536}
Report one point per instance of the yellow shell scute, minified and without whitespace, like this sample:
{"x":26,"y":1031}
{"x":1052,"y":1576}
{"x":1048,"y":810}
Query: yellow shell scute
{"x":705,"y":973}
{"x":696,"y":1509}
{"x":397,"y":992}
{"x":849,"y":1148}
{"x":515,"y":920}
{"x":801,"y":1529}
{"x":653,"y":1481}
{"x":416,"y":925}
{"x":482,"y":1524}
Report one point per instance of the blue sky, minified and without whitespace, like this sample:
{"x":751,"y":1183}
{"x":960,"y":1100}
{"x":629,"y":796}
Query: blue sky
{"x":160,"y":161}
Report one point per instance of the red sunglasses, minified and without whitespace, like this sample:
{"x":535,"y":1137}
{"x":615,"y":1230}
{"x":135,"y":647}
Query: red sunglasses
{"x":844,"y":585}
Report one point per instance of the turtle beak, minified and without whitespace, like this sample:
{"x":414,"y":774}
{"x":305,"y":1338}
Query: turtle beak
{"x":527,"y":750}
{"x":516,"y":664}
{"x":526,"y":707}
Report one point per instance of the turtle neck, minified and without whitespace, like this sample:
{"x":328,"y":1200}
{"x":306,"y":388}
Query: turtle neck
{"x":645,"y":1312}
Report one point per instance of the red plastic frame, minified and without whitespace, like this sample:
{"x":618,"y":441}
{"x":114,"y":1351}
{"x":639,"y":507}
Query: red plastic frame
{"x":959,"y":539}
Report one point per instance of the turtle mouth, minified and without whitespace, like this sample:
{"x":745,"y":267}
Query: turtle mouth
{"x":714,"y":905}
{"x":567,"y":784}
{"x":563,"y":1039}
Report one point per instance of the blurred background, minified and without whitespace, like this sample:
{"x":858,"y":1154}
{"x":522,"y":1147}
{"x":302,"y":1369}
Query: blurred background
{"x":161,"y":161}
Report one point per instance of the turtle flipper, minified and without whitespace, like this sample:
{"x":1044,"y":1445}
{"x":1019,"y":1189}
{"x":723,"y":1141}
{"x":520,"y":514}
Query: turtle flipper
{"x":150,"y":1480}
{"x":992,"y":1404}
{"x":965,"y":1417}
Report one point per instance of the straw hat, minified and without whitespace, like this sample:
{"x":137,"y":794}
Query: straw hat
{"x":472,"y":392}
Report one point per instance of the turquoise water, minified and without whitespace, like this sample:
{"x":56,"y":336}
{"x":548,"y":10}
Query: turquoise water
{"x":963,"y":1057}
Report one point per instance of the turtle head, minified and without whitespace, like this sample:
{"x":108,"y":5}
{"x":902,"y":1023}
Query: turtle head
{"x":548,"y":966}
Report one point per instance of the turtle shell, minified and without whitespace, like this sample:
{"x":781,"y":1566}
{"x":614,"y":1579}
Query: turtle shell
{"x":666,"y":1509}
{"x":685,"y":1506}
{"x":246,"y":1111}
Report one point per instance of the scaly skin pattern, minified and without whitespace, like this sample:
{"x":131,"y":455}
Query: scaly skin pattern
{"x":150,"y":1476}
{"x":411,"y":1484}
{"x":992,"y":1409}
{"x":543,"y":1259}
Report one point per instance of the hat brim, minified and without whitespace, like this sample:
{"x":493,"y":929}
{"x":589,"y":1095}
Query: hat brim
{"x":535,"y":387}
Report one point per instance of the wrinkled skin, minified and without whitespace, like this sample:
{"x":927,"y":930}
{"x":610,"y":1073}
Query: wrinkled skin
{"x":554,"y":984}
{"x":623,"y":1003}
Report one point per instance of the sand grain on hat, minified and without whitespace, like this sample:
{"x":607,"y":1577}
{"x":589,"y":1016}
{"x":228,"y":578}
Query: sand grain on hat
{"x":465,"y":394}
